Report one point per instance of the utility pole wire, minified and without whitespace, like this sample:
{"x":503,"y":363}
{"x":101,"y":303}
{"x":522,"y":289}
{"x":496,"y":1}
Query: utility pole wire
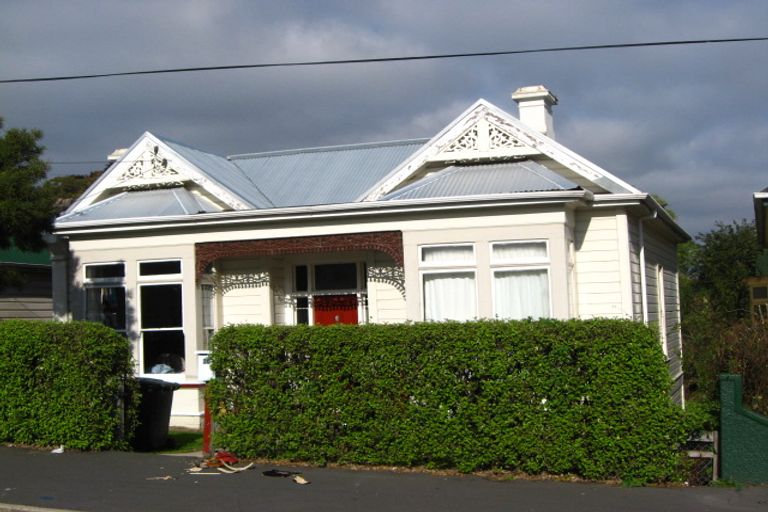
{"x":383,"y":59}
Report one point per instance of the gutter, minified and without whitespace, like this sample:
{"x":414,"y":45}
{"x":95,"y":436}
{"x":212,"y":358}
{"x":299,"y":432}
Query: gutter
{"x":322,"y":212}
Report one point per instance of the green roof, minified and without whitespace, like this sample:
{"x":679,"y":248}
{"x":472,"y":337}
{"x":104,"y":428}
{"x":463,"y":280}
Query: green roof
{"x":16,"y":255}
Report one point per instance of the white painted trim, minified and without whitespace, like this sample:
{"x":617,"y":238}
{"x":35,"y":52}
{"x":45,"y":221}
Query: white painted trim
{"x":324,"y":211}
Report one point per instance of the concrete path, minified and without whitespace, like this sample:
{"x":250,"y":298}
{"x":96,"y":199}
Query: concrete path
{"x":115,"y":481}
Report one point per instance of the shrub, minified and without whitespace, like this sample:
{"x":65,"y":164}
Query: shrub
{"x":62,"y":384}
{"x":585,"y":397}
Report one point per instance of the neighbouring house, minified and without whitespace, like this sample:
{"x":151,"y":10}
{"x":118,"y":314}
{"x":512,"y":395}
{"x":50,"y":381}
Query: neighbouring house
{"x":30,"y":297}
{"x":758,"y":284}
{"x":490,"y":218}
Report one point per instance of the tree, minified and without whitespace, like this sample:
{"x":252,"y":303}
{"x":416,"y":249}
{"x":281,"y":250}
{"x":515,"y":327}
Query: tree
{"x":26,"y":207}
{"x":714,"y":302}
{"x":66,"y":189}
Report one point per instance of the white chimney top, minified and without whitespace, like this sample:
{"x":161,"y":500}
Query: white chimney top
{"x":535,"y":105}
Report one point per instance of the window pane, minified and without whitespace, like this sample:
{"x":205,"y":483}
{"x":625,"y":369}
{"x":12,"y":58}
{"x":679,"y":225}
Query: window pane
{"x":302,"y":281}
{"x":163,"y":351}
{"x":106,"y":306}
{"x":161,"y":306}
{"x":524,"y":251}
{"x":159,"y":268}
{"x":449,"y":296}
{"x":336,"y":276}
{"x":302,"y":310}
{"x":111,"y":270}
{"x":449,"y":254}
{"x":521,"y":294}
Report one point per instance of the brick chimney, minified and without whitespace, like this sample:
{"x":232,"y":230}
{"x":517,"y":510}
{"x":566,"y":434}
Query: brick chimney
{"x":535,"y":105}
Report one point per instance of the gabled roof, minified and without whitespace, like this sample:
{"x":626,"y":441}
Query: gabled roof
{"x":483,"y":152}
{"x":485,"y":133}
{"x":153,"y":162}
{"x":484,"y":179}
{"x":325,"y":175}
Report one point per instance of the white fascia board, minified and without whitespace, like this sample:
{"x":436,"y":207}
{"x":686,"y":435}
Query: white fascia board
{"x":326,"y":211}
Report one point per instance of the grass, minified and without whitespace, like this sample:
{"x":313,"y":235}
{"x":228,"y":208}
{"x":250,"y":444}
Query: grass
{"x":183,"y":441}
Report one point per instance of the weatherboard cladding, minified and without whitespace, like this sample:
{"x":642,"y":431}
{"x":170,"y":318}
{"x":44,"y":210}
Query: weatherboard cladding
{"x":331,"y":175}
{"x":497,"y":178}
{"x":144,"y":203}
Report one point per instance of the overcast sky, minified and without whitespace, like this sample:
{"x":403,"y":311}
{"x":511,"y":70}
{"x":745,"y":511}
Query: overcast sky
{"x":689,"y":122}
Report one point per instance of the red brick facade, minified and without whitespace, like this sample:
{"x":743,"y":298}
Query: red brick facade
{"x":388,"y":242}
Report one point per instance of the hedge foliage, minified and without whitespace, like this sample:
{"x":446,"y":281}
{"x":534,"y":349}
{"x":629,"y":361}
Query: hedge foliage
{"x":60,"y":383}
{"x":582,"y":397}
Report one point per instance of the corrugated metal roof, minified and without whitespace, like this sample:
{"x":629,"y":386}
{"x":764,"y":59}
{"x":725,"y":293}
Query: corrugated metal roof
{"x":329,"y":175}
{"x":144,"y":203}
{"x":481,"y":179}
{"x":223,"y":172}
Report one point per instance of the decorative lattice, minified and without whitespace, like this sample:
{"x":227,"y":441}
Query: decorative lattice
{"x":392,"y":275}
{"x":227,"y":282}
{"x":151,"y":166}
{"x":468,"y":141}
{"x":498,"y":138}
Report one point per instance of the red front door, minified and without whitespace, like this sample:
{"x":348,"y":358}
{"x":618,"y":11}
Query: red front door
{"x":335,"y":309}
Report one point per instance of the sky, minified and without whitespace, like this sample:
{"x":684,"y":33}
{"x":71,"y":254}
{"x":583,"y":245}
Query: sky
{"x":689,"y":123}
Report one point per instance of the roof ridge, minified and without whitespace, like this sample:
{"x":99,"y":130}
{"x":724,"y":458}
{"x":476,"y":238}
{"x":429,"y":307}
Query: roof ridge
{"x":322,"y":149}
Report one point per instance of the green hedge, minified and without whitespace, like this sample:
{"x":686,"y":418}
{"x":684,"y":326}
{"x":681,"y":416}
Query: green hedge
{"x":60,"y":383}
{"x":583,"y":397}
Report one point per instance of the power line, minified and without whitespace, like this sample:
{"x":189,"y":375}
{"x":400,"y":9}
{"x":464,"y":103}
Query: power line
{"x":383,"y":59}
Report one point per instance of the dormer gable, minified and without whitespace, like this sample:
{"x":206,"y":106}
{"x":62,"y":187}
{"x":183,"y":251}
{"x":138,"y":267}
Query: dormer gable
{"x":486,"y":134}
{"x":152,"y":164}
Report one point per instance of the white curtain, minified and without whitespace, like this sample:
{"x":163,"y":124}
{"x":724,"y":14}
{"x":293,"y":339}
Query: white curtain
{"x":515,"y":252}
{"x":521,"y":294}
{"x":449,"y":296}
{"x":448,"y":254}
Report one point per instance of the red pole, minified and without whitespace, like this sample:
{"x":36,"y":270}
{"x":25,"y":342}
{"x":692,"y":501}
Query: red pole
{"x":206,"y":429}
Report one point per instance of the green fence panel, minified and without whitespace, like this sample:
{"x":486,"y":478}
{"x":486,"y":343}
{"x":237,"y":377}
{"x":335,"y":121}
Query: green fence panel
{"x":743,"y":436}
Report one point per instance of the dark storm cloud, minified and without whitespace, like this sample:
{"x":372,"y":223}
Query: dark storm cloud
{"x":684,"y":122}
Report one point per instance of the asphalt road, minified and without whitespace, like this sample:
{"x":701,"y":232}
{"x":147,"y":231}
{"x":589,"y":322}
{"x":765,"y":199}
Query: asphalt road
{"x":115,"y":481}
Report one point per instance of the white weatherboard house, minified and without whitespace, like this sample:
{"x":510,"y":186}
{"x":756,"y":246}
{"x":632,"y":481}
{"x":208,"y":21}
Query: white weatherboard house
{"x":490,"y":218}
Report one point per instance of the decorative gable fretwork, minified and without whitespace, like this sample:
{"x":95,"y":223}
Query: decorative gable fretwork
{"x":150,"y":170}
{"x":483,"y":140}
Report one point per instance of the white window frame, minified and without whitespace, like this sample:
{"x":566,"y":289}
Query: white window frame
{"x":160,"y":280}
{"x":159,"y":277}
{"x":455,"y":263}
{"x":520,"y":265}
{"x":427,"y":268}
{"x":90,"y":283}
{"x":361,"y":291}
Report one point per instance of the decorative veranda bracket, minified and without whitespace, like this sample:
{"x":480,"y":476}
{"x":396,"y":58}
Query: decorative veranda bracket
{"x":388,"y":242}
{"x":227,"y":282}
{"x":392,"y":275}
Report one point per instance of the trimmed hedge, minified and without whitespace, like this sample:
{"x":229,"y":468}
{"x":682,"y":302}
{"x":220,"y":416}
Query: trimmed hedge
{"x":583,"y":397}
{"x":60,"y":383}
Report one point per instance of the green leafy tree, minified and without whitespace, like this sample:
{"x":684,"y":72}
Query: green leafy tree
{"x":66,"y":189}
{"x":26,"y":207}
{"x":714,"y":298}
